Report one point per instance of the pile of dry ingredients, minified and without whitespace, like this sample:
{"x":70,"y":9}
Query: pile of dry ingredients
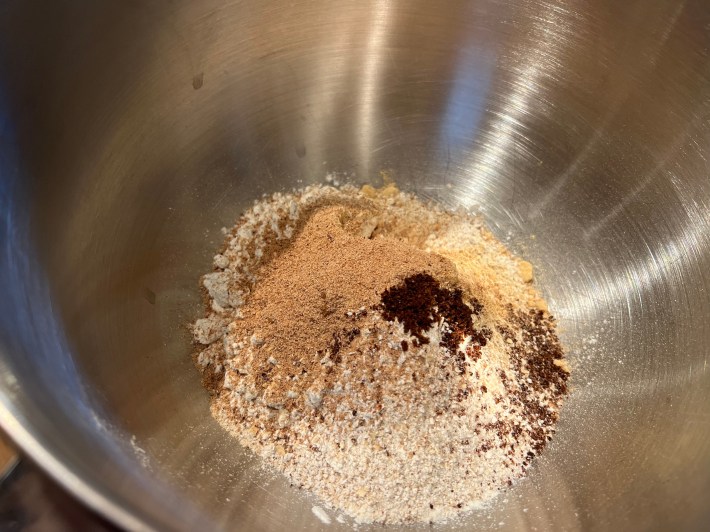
{"x":389,"y":356}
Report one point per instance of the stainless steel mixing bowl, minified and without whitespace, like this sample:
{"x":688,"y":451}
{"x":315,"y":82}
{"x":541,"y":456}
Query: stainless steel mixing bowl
{"x":131,"y":132}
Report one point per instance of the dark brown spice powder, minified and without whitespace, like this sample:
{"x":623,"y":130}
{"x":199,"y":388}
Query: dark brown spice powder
{"x":420,"y":301}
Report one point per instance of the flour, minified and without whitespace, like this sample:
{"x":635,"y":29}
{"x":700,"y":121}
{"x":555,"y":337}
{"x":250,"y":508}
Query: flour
{"x":389,"y":356}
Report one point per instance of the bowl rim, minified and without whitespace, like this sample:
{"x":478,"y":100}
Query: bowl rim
{"x":19,"y":431}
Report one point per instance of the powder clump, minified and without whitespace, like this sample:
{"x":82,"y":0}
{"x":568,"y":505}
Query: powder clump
{"x":388,"y":355}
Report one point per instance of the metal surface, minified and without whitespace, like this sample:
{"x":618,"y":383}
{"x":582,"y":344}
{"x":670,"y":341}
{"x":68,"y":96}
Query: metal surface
{"x":130,"y":132}
{"x":32,"y":502}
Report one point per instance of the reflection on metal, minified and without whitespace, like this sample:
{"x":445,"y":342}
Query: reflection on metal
{"x":131,"y":132}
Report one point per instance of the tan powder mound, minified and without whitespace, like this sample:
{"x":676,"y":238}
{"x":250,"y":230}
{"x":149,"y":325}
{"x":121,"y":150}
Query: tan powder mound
{"x":305,"y":369}
{"x":330,"y":263}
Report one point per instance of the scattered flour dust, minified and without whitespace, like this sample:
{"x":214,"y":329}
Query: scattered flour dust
{"x":321,"y":514}
{"x":387,"y":355}
{"x":140,"y":453}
